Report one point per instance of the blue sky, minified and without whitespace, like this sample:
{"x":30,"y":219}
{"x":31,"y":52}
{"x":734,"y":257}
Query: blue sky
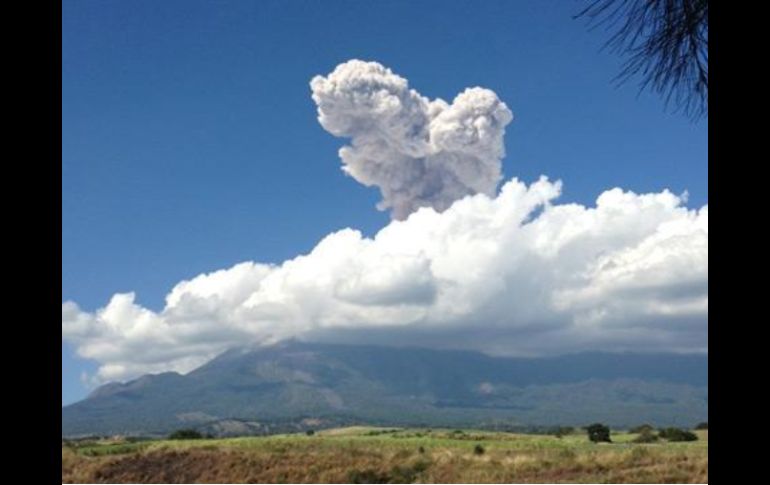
{"x":190,"y":141}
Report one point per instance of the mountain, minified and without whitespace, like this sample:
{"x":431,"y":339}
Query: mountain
{"x":295,"y":385}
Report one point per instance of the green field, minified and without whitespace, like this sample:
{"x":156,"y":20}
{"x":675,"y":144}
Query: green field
{"x":389,"y":455}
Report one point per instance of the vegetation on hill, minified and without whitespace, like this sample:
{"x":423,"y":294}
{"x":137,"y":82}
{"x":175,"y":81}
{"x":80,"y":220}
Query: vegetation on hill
{"x":296,"y":387}
{"x":185,"y":434}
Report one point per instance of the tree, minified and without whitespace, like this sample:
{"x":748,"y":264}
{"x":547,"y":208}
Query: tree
{"x":185,"y":434}
{"x":665,"y":41}
{"x":703,"y":425}
{"x":676,"y":434}
{"x":598,"y":432}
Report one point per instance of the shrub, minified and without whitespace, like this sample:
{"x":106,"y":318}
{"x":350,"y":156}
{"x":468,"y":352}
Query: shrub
{"x":421,"y":450}
{"x":310,"y":432}
{"x":598,"y":432}
{"x":703,"y":425}
{"x":641,"y":429}
{"x":646,"y":436}
{"x":185,"y":434}
{"x":478,"y":450}
{"x":676,"y":434}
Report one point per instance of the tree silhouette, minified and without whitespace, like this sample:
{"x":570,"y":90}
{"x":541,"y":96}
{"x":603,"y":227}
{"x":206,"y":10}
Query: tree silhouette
{"x":676,"y":434}
{"x":665,"y":41}
{"x":598,"y":432}
{"x":185,"y":434}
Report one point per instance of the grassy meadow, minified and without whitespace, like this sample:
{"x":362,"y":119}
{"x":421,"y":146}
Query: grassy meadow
{"x":389,"y":455}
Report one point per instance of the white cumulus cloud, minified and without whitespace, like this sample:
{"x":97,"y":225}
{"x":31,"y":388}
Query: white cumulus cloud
{"x":461,"y":264}
{"x":631,"y":272}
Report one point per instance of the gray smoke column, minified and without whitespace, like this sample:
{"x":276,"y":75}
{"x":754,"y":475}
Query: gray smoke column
{"x":420,"y":153}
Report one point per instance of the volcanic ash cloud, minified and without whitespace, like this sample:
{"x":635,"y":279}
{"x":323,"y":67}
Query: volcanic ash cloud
{"x":418,"y":152}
